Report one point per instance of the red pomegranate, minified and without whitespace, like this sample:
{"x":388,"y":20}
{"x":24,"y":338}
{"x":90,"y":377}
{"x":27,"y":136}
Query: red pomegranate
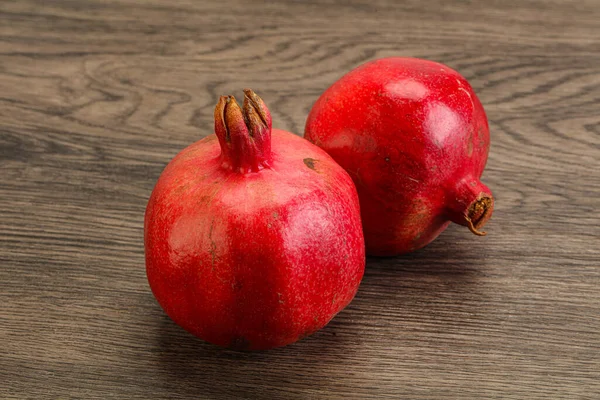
{"x":253,"y":237}
{"x":414,"y":137}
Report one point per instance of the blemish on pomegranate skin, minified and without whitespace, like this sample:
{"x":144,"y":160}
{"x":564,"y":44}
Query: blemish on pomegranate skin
{"x":310,"y":163}
{"x":482,"y":143}
{"x":470,"y":145}
{"x":236,"y":285}
{"x":213,"y":245}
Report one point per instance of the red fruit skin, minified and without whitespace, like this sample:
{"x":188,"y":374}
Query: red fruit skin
{"x":254,"y":260}
{"x":415,"y":138}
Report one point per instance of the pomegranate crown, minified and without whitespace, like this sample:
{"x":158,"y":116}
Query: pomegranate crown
{"x":244,"y":133}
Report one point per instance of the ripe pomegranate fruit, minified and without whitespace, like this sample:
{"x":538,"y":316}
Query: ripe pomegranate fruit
{"x":253,"y":236}
{"x":415,"y":138}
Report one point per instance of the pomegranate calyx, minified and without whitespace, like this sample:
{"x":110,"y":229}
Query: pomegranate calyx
{"x":244,"y":133}
{"x":255,"y":113}
{"x":471,"y":204}
{"x":478,"y":214}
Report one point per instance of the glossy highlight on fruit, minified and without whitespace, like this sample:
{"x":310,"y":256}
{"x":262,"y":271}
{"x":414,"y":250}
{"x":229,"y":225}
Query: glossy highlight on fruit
{"x":414,"y":137}
{"x":253,"y":236}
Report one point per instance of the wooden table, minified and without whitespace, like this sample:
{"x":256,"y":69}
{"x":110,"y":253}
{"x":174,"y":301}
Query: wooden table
{"x":97,"y":96}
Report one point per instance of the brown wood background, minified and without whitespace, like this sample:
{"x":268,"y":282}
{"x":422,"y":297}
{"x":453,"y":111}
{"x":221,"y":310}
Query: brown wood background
{"x":97,"y":96}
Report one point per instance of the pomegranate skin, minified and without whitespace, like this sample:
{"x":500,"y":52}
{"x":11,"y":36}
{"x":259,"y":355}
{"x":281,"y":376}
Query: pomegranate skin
{"x":414,"y":137}
{"x":253,"y":258}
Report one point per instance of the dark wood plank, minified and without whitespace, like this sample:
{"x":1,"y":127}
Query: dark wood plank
{"x":97,"y":96}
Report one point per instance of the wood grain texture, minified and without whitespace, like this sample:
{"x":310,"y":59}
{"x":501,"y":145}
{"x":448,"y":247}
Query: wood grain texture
{"x":97,"y":96}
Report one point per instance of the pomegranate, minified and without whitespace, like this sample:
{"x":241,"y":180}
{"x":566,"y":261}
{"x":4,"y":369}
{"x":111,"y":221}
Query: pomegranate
{"x":414,"y":137}
{"x":253,"y":236}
